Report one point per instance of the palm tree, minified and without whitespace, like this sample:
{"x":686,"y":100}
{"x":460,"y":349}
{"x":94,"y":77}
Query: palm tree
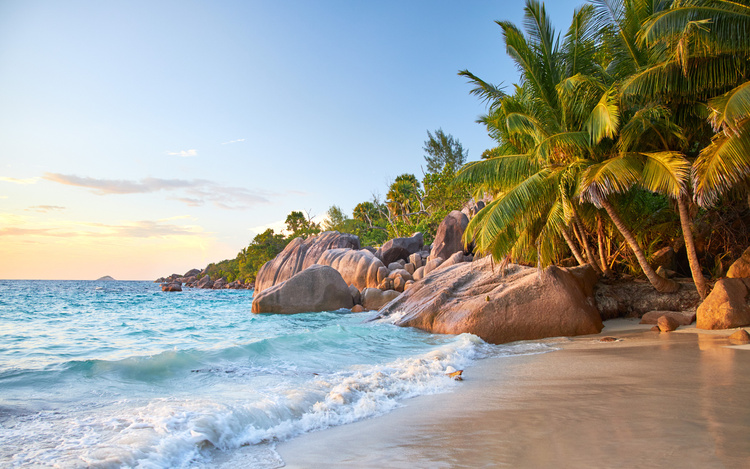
{"x":563,"y":122}
{"x":542,"y":135}
{"x":650,"y":117}
{"x":700,"y":49}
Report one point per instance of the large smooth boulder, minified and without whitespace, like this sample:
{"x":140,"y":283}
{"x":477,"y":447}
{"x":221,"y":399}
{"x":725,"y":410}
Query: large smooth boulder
{"x":358,"y":267}
{"x":523,"y":304}
{"x":400,"y":248}
{"x":375,"y":298}
{"x":317,"y":288}
{"x":448,"y":239}
{"x":299,"y":255}
{"x":726,"y":306}
{"x":741,"y":267}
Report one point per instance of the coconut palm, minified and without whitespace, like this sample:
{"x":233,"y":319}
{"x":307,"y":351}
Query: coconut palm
{"x":697,"y":50}
{"x":652,"y":117}
{"x":565,"y":132}
{"x":543,"y":132}
{"x":703,"y":52}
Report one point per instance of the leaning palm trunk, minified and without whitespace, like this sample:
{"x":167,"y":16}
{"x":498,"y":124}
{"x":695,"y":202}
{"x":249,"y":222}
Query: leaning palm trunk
{"x":572,"y":245}
{"x":661,"y":284}
{"x":600,"y":241}
{"x":586,"y":246}
{"x":692,"y":254}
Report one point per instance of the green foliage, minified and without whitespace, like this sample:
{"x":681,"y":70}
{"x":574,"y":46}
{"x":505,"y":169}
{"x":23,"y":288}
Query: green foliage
{"x":404,"y":197}
{"x":262,"y":249}
{"x":228,"y":269}
{"x":299,"y":224}
{"x":443,"y":151}
{"x":339,"y":221}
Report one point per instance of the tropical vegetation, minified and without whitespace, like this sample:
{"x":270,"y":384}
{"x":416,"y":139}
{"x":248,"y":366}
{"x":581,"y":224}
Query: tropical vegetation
{"x":610,"y":126}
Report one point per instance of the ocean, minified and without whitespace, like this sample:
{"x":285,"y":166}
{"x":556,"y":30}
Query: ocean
{"x":120,"y":374}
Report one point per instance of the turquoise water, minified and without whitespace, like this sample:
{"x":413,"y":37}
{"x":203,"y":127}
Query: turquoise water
{"x":121,"y":374}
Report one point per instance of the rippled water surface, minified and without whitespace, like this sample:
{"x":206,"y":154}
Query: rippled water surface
{"x":121,"y":374}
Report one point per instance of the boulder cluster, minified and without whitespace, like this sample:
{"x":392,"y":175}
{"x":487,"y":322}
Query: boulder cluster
{"x":439,"y":288}
{"x":442,"y":288}
{"x":194,"y":278}
{"x":291,"y":281}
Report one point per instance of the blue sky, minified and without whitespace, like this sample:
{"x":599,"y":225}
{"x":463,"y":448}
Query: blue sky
{"x":139,"y":139}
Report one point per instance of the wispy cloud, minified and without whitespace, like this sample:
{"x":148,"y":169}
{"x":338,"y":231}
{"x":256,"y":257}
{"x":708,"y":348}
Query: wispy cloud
{"x":183,"y":153}
{"x":134,"y":229}
{"x":194,"y":193}
{"x":20,"y":181}
{"x":121,"y":186}
{"x":233,"y":141}
{"x":44,"y":208}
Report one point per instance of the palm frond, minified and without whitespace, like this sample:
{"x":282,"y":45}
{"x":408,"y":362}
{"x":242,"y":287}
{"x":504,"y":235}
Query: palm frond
{"x":562,"y":147}
{"x":500,"y":173}
{"x":488,"y":93}
{"x":729,"y":109}
{"x":615,"y":175}
{"x":719,"y":26}
{"x":604,"y":118}
{"x":665,"y":172}
{"x":721,"y":165}
{"x":579,"y":46}
{"x":650,"y":127}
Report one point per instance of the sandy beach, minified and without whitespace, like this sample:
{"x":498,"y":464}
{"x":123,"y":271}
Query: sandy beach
{"x":645,"y":400}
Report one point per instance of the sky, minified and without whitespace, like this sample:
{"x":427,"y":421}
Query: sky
{"x":144,"y":138}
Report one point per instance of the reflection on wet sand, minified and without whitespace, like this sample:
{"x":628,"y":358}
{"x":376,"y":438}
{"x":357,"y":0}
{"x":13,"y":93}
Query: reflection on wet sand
{"x":721,"y":402}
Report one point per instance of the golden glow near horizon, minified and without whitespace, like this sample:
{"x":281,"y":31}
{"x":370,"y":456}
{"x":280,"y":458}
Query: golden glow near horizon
{"x":38,"y":248}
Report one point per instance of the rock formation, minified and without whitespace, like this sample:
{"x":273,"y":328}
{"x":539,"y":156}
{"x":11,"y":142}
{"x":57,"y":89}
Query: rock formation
{"x":359,"y":268}
{"x":299,"y":255}
{"x":400,"y":248}
{"x":740,"y":337}
{"x":448,"y":239}
{"x":741,"y":267}
{"x":524,"y":304}
{"x":174,"y":286}
{"x":726,"y":306}
{"x":667,"y":323}
{"x":375,"y":298}
{"x":317,"y":288}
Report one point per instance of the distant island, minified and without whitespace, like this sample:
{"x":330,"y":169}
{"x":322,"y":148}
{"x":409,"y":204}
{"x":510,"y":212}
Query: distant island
{"x":106,"y":278}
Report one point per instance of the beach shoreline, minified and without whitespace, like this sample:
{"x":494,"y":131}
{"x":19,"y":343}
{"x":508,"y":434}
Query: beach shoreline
{"x":647,"y":399}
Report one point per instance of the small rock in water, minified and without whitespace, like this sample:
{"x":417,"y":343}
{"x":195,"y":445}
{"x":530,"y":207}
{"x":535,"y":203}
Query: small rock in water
{"x":740,"y":337}
{"x":608,"y":339}
{"x":667,"y":323}
{"x":456,"y":375}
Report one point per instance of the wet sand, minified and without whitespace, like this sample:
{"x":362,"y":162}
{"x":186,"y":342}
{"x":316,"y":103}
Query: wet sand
{"x":647,"y":400}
